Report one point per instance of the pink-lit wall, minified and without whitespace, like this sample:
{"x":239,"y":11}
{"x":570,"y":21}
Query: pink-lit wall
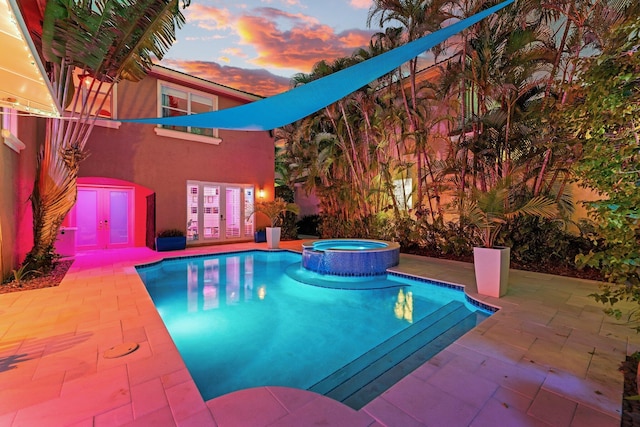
{"x":17,"y":175}
{"x":134,"y":153}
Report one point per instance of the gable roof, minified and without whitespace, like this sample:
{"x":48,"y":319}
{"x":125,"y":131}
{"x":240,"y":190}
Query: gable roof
{"x":184,"y":79}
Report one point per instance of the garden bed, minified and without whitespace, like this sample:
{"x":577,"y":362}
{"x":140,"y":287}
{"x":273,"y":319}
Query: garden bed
{"x":54,"y":278}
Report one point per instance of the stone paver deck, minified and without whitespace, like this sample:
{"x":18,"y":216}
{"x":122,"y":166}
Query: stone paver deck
{"x":549,"y":357}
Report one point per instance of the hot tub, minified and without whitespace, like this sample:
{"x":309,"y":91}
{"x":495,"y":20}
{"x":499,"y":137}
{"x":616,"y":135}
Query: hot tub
{"x":350,"y":257}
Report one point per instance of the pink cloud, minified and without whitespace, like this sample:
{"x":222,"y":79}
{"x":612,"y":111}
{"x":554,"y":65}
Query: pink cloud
{"x":361,"y":4}
{"x":208,"y":17}
{"x":259,"y":82}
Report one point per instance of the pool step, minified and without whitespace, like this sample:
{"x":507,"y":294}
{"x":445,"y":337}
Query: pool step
{"x":365,"y":378}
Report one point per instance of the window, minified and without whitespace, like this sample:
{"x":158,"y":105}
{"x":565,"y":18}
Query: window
{"x":99,"y":98}
{"x":219,"y":211}
{"x":10,"y":130}
{"x":402,"y":190}
{"x":175,"y":101}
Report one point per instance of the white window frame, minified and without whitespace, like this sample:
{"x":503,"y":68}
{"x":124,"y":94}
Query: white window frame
{"x":247,"y":224}
{"x":185,"y":135}
{"x":106,"y":122}
{"x":405,"y":186}
{"x":113,"y":123}
{"x":9,"y":131}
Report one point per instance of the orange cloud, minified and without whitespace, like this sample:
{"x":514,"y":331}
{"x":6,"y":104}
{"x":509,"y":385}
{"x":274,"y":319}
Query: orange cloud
{"x":235,"y":52}
{"x":355,"y":38}
{"x":259,"y":82}
{"x":289,"y":41}
{"x":301,"y":46}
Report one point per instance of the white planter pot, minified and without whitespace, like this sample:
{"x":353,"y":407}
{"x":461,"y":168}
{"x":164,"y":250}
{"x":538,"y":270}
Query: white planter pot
{"x":492,"y":270}
{"x":273,"y":237}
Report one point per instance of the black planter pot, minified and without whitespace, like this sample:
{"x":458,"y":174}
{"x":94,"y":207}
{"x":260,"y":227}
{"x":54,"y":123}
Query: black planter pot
{"x":170,"y":243}
{"x":260,"y":236}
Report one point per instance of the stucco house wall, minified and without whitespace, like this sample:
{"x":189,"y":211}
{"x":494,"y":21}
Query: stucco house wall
{"x":17,"y":175}
{"x":135,"y":153}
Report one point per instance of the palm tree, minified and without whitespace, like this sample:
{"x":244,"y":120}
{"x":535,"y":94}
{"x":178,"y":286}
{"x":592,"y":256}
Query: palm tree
{"x":102,"y":41}
{"x":418,"y":18}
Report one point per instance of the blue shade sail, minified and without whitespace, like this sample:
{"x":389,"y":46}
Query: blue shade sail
{"x":297,"y":103}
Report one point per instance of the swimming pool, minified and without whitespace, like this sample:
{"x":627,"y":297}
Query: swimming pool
{"x":240,"y":321}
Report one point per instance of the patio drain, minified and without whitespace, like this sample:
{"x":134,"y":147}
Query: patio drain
{"x":121,"y":350}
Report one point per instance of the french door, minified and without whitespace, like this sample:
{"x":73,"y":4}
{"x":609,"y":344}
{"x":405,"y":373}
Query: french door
{"x":219,"y":212}
{"x":104,"y":217}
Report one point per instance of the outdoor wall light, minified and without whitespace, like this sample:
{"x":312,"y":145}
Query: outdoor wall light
{"x":261,"y":193}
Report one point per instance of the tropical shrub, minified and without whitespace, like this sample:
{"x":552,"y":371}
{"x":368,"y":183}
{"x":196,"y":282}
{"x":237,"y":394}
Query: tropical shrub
{"x":403,"y":230}
{"x":309,"y":225}
{"x":540,"y":243}
{"x":335,"y":227}
{"x":289,"y":227}
{"x":171,"y":232}
{"x":23,"y":273}
{"x":604,"y":119}
{"x":275,"y":210}
{"x":43,"y":261}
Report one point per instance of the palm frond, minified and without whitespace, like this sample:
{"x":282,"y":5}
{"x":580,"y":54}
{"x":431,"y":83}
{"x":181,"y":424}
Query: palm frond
{"x":110,"y":39}
{"x":540,"y":206}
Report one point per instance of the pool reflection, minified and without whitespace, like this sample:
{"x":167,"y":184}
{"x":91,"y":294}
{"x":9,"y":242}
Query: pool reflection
{"x":403,"y":309}
{"x":215,"y":282}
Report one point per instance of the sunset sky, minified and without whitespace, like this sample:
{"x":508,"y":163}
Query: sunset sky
{"x":258,"y":45}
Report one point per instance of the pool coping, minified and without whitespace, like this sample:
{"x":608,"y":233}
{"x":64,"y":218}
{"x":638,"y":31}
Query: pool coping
{"x":543,"y":354}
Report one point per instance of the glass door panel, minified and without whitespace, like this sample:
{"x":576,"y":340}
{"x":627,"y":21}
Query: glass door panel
{"x":192,"y":212}
{"x":118,"y":224}
{"x":87,"y":218}
{"x":248,"y":211}
{"x":211,"y":214}
{"x":232,"y":212}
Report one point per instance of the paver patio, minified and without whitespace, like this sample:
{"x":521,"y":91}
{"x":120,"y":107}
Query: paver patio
{"x":548,"y":357}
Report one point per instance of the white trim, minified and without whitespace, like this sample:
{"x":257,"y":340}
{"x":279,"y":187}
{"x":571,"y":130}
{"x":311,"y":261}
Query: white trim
{"x":106,"y":123}
{"x":187,"y":136}
{"x":12,"y":141}
{"x":9,"y":129}
{"x":101,"y":122}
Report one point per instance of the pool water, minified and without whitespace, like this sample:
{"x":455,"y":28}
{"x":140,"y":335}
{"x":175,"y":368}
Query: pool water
{"x":239,"y":321}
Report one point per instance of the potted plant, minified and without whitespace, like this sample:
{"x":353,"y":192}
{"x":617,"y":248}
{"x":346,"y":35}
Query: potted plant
{"x":171,"y":240}
{"x":488,"y":212}
{"x":274,"y":210}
